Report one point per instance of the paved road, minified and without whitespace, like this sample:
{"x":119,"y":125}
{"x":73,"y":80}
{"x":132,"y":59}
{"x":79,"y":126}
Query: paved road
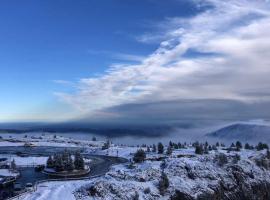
{"x":100,"y":164}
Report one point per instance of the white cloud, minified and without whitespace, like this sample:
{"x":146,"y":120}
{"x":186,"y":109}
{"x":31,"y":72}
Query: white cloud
{"x":237,"y":32}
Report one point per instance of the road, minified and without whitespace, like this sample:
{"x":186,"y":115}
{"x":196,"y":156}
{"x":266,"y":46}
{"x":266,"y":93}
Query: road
{"x":99,"y":165}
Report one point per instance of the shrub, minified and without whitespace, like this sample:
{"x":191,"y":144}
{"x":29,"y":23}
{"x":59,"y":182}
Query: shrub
{"x":147,"y":190}
{"x":139,"y":156}
{"x":221,"y":159}
{"x":163,"y":183}
{"x":136,"y":196}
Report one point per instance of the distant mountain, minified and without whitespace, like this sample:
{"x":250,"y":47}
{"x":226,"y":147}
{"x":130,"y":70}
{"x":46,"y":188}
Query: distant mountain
{"x":243,"y":132}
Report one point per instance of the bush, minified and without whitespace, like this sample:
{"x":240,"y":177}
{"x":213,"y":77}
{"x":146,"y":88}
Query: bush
{"x":136,"y":196}
{"x":139,"y":156}
{"x":221,"y":159}
{"x":163,"y":183}
{"x":147,"y":190}
{"x":236,"y":158}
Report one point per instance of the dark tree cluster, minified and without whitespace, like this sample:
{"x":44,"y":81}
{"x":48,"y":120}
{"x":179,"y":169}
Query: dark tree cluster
{"x":262,"y":146}
{"x":106,"y":145}
{"x":139,"y":156}
{"x":64,"y":162}
{"x":201,"y":148}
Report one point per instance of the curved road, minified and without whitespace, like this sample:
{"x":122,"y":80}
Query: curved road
{"x":100,"y":164}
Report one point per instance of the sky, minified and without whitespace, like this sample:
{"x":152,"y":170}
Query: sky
{"x":133,"y":61}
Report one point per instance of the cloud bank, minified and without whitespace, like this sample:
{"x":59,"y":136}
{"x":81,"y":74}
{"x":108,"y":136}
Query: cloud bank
{"x":212,"y":65}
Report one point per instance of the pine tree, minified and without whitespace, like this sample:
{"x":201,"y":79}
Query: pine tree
{"x":148,"y":149}
{"x":199,"y":149}
{"x":247,"y":146}
{"x":13,"y":165}
{"x":154,"y":149}
{"x":169,"y":150}
{"x":106,"y":145}
{"x":50,"y":163}
{"x":160,"y":148}
{"x":170,"y":144}
{"x":238,"y":145}
{"x":94,"y":138}
{"x":70,"y":165}
{"x":59,"y":166}
{"x":78,"y":161}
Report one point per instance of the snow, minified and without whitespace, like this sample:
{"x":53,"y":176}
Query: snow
{"x":55,"y":190}
{"x":47,"y":140}
{"x":7,"y":172}
{"x":21,"y":161}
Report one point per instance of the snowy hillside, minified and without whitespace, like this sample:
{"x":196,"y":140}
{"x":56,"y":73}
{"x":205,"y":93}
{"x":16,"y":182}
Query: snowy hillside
{"x":190,"y":177}
{"x":243,"y":132}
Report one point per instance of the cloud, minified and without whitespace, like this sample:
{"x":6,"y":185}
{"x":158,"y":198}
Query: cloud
{"x":231,"y":40}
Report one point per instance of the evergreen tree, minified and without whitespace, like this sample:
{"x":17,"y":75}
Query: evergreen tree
{"x":217,"y":144}
{"x":50,"y":162}
{"x":78,"y":161}
{"x":70,"y":165}
{"x":262,"y":146}
{"x":106,"y":145}
{"x":232,"y":145}
{"x":238,"y":145}
{"x":160,"y":148}
{"x":13,"y":165}
{"x":59,"y":166}
{"x":148,"y":149}
{"x":154,"y":149}
{"x":169,"y":150}
{"x":199,"y":149}
{"x":247,"y":146}
{"x":139,"y":156}
{"x":170,"y":144}
{"x":94,"y":138}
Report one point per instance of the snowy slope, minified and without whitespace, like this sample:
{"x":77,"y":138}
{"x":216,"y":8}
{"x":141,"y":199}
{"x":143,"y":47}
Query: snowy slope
{"x":243,"y":132}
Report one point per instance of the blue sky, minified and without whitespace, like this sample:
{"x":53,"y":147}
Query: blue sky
{"x":58,"y":58}
{"x":43,"y":41}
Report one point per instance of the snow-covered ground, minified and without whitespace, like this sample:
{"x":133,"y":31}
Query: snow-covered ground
{"x":187,"y":172}
{"x":55,"y":191}
{"x":19,"y":161}
{"x":7,"y":172}
{"x":47,"y":140}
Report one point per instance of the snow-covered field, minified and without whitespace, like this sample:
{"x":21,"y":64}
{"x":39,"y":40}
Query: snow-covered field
{"x":21,"y":161}
{"x":7,"y":172}
{"x":46,"y":140}
{"x":191,"y":174}
{"x":55,"y":191}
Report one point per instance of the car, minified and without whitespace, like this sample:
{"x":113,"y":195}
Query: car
{"x":29,"y":185}
{"x":17,"y":186}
